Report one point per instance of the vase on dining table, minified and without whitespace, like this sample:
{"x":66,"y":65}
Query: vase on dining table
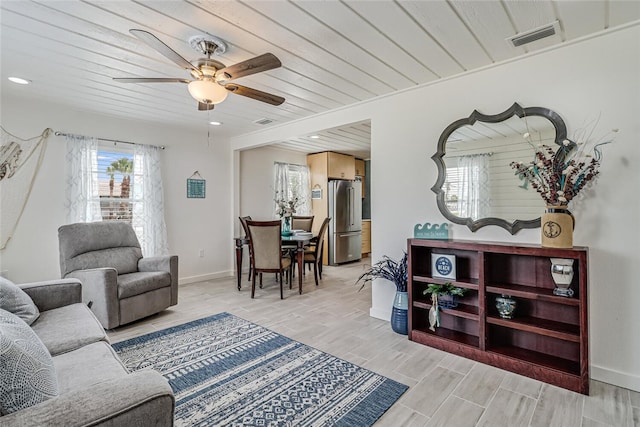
{"x":286,"y":226}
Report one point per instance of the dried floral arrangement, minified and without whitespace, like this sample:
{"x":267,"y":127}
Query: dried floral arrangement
{"x":285,"y":208}
{"x":559,"y":175}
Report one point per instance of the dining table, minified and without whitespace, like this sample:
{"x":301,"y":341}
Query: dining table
{"x":294,"y":241}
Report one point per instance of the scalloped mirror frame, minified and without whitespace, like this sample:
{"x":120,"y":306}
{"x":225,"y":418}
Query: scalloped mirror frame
{"x":516,"y":225}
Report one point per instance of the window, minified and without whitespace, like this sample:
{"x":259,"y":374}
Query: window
{"x":117,"y":183}
{"x":114,"y":171}
{"x":293,"y":181}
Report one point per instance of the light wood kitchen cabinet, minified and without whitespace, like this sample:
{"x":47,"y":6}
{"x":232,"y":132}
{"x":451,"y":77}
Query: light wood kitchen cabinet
{"x":340,"y":166}
{"x":359,"y":164}
{"x":366,"y":237}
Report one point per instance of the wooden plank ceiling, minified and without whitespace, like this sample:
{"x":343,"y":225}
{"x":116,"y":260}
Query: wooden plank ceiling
{"x":334,"y":53}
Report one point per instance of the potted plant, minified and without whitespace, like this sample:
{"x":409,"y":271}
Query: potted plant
{"x":396,"y":272}
{"x":447,"y":294}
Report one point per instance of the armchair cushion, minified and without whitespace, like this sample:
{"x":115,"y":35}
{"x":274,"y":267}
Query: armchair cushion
{"x":16,"y":301}
{"x":26,"y":367}
{"x":138,"y":283}
{"x":99,"y":244}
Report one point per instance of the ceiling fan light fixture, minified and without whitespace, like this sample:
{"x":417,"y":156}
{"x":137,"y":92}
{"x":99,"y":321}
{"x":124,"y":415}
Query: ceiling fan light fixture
{"x":207,"y":91}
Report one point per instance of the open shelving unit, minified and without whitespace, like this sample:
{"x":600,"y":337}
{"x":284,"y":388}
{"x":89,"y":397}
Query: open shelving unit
{"x":548,"y":337}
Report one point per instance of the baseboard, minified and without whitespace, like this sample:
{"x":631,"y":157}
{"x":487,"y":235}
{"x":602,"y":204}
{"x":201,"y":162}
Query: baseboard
{"x":203,"y":277}
{"x":620,"y":379}
{"x":380,"y":314}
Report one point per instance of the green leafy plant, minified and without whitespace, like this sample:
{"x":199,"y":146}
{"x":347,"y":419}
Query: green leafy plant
{"x":444,"y":289}
{"x":387,"y":268}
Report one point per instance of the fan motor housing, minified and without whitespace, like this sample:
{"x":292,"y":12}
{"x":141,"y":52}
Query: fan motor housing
{"x":207,"y":66}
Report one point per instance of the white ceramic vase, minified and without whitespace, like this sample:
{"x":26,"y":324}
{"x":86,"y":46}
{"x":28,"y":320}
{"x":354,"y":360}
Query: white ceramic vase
{"x":562,"y":273}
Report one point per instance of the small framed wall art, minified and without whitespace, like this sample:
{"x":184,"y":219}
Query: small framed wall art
{"x":443,"y":266}
{"x":196,"y":186}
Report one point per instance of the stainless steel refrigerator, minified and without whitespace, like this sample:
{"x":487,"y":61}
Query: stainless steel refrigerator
{"x":345,"y":227}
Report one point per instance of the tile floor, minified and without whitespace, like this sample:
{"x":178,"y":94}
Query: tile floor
{"x":445,"y":390}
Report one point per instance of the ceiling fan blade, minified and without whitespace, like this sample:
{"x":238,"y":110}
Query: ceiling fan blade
{"x":265,"y":62}
{"x":254,"y":94}
{"x":165,"y":50}
{"x":150,"y":80}
{"x":205,"y":107}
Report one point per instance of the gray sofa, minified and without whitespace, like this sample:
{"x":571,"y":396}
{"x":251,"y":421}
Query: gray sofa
{"x":120,"y":284}
{"x":95,"y":389}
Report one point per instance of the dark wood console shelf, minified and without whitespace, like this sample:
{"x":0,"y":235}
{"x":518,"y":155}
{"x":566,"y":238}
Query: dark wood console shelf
{"x":547,"y":339}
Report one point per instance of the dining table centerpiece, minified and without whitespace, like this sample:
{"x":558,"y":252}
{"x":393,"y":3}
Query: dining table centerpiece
{"x":559,"y":175}
{"x":285,"y":208}
{"x":397,"y":273}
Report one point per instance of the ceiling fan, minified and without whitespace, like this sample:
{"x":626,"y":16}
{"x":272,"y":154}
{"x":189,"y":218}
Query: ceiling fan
{"x":211,"y":78}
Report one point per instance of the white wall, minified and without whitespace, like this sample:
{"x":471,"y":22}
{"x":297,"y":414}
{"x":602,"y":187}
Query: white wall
{"x":256,"y":179}
{"x":579,"y":81}
{"x":192,"y":224}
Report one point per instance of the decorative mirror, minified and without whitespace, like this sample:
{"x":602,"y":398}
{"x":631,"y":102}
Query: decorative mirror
{"x":476,"y":184}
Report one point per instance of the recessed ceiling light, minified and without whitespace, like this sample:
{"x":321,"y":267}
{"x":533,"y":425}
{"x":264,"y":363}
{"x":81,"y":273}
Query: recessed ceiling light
{"x":19,"y":80}
{"x":215,"y":123}
{"x":314,"y":136}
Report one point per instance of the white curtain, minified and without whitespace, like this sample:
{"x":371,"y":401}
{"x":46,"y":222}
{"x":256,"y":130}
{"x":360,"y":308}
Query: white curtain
{"x":293,"y":181}
{"x":473,"y":190}
{"x":148,"y":201}
{"x":83,"y":200}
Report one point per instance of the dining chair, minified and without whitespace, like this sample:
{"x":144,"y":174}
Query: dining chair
{"x":314,"y":255}
{"x":303,"y":223}
{"x":243,"y":222}
{"x":265,"y":243}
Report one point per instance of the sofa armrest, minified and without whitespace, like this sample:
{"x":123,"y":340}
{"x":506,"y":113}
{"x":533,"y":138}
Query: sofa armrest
{"x":54,"y":293}
{"x":140,"y":398}
{"x":100,"y":287}
{"x":168,"y":263}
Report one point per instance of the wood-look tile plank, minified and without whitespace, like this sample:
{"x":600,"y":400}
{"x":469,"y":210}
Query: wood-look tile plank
{"x":429,"y":393}
{"x":456,"y":412}
{"x":608,"y":404}
{"x":480,"y":384}
{"x":523,"y":385}
{"x":508,"y":409}
{"x":457,"y":363}
{"x":558,"y":407}
{"x":401,"y":415}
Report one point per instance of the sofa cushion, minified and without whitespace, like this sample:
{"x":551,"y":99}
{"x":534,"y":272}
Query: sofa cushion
{"x":88,"y":365}
{"x":16,"y":301}
{"x":138,"y":283}
{"x":68,"y":328}
{"x":27,"y":373}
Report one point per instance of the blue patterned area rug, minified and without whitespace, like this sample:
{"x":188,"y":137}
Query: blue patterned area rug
{"x":227,"y":371}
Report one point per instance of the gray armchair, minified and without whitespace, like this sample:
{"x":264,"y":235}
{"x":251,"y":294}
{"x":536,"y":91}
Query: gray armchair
{"x":120,"y":285}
